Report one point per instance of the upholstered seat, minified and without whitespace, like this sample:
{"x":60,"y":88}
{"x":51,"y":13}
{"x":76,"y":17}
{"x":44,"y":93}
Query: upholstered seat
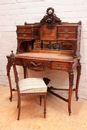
{"x":32,"y":85}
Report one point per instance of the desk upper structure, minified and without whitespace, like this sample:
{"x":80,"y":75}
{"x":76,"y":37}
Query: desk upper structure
{"x":50,"y":35}
{"x":49,"y":44}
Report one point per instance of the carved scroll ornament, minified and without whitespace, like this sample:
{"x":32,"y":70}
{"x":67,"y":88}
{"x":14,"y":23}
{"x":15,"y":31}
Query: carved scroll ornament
{"x":50,"y":19}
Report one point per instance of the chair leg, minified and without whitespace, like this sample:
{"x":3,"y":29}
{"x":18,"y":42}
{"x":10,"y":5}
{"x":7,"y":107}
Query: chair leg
{"x":18,"y":100}
{"x":19,"y":107}
{"x":17,"y":104}
{"x":44,"y":106}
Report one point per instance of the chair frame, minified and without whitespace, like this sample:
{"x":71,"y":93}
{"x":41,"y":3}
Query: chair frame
{"x":41,"y":94}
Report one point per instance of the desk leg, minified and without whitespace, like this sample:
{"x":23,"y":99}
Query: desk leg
{"x":71,"y":77}
{"x":78,"y":78}
{"x":9,"y":79}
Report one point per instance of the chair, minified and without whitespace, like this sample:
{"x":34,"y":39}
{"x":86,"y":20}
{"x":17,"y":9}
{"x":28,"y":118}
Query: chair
{"x":35,"y":86}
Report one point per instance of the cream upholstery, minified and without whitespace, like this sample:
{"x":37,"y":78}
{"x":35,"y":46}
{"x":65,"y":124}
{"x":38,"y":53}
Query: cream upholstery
{"x":31,"y":85}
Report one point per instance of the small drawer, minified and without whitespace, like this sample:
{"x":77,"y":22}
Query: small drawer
{"x":66,"y":36}
{"x":24,"y":35}
{"x":66,"y":29}
{"x":60,"y":66}
{"x":24,"y":29}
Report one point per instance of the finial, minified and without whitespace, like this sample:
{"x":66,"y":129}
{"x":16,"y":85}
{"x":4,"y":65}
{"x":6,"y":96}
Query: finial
{"x":12,"y":54}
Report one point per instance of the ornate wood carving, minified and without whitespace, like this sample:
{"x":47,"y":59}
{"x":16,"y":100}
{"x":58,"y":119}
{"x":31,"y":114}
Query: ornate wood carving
{"x":50,"y":19}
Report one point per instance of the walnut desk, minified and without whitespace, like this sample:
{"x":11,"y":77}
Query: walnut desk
{"x":50,"y":44}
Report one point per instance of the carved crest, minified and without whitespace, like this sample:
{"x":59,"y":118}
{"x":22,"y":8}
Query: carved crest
{"x":50,"y":19}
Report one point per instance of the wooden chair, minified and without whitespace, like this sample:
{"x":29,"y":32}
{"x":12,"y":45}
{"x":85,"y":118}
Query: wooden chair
{"x":35,"y":86}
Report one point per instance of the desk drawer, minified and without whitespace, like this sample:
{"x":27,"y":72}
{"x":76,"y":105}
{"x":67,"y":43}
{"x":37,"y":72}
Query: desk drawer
{"x":24,"y":29}
{"x":24,"y":35}
{"x":66,"y":36}
{"x":36,"y":64}
{"x":67,"y":29}
{"x":67,"y":32}
{"x":60,"y":65}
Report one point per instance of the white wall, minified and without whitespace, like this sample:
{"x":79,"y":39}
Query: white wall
{"x":16,"y":12}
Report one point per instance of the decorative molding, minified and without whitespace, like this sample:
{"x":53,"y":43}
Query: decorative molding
{"x":50,"y":19}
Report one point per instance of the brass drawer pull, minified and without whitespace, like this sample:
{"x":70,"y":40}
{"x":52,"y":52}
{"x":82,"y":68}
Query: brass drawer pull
{"x":66,"y":30}
{"x":35,"y":64}
{"x":66,"y":36}
{"x":24,"y":35}
{"x":24,"y":30}
{"x":59,"y":66}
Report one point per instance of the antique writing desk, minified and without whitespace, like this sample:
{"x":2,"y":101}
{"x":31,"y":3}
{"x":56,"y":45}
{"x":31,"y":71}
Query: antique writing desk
{"x":50,"y":44}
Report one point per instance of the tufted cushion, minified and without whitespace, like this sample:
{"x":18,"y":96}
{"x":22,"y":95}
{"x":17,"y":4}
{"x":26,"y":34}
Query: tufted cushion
{"x":31,"y":85}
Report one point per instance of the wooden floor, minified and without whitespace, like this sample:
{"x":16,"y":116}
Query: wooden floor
{"x":31,"y":117}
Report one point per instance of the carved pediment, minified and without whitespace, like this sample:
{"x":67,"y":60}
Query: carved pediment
{"x":50,"y":19}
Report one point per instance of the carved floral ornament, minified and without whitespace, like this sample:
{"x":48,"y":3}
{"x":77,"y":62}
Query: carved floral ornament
{"x":50,"y":19}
